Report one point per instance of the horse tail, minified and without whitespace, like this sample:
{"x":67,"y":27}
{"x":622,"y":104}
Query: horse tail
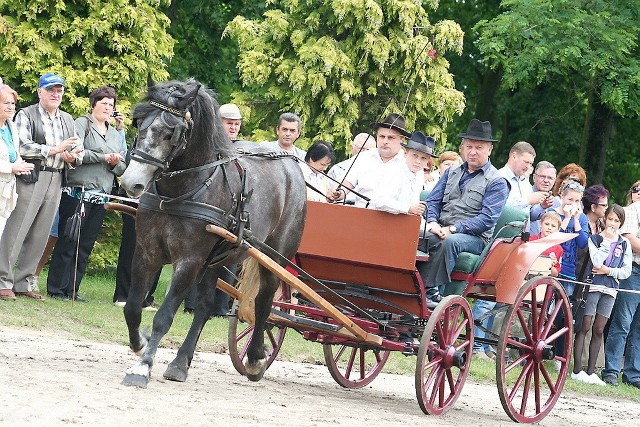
{"x":249,"y":285}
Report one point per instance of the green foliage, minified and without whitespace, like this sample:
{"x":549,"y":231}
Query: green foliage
{"x":200,"y":51}
{"x":104,"y":257}
{"x":341,"y":65}
{"x":590,"y":42}
{"x":90,"y":42}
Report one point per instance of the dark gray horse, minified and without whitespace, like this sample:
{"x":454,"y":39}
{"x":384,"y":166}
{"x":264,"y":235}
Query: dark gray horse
{"x":187,"y":174}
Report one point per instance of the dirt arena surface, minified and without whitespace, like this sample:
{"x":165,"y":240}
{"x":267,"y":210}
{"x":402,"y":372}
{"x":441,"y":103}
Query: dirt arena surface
{"x":50,"y":380}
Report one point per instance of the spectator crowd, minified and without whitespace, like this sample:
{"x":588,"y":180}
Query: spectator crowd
{"x":57,"y":173}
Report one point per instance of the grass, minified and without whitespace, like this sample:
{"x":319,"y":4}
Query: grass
{"x":101,"y":321}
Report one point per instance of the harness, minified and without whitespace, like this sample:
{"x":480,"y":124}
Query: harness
{"x":236,"y":219}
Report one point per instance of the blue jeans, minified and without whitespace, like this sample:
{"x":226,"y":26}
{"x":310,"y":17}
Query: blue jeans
{"x":625,"y":330}
{"x":443,"y":254}
{"x":479,"y":309}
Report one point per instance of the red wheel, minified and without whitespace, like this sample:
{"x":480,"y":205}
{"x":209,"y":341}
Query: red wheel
{"x":354,"y":367}
{"x":537,"y":331}
{"x":444,"y":355}
{"x":240,"y":334}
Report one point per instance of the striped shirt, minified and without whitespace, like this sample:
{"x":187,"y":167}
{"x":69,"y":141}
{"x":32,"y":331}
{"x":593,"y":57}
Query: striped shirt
{"x":30,"y":149}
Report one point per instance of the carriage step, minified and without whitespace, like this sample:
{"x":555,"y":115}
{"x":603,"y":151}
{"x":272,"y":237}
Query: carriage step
{"x":307,"y":322}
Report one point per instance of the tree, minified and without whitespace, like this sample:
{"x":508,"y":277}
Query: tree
{"x":90,"y":42}
{"x":342,"y":65}
{"x":587,"y":48}
{"x":200,"y":51}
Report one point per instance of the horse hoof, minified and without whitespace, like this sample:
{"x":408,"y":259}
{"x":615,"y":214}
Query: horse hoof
{"x":135,"y":380}
{"x":175,"y":373}
{"x":255,"y":371}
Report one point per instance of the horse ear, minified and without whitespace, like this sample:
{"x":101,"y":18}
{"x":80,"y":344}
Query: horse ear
{"x":191,"y":94}
{"x":150,"y":81}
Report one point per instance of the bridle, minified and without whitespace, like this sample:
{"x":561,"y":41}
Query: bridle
{"x":179,"y":138}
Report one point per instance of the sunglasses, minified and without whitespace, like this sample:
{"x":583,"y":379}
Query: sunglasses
{"x":635,"y":190}
{"x":573,"y":186}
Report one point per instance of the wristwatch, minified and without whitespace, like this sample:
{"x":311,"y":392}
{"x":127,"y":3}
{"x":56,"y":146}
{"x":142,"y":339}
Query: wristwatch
{"x":453,"y":229}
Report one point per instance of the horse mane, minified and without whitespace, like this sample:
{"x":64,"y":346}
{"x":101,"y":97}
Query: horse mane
{"x":207,"y":133}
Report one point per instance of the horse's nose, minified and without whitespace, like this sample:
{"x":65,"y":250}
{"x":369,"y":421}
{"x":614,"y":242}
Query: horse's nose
{"x":136,"y":190}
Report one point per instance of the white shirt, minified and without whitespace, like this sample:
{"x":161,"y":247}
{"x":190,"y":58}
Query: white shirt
{"x":520,"y":191}
{"x":318,"y":180}
{"x":274,"y":146}
{"x":390,"y":185}
{"x":632,"y":224}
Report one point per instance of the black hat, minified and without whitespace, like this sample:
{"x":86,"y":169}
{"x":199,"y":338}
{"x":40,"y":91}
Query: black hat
{"x":478,"y":131}
{"x":393,"y":121}
{"x":421,"y":142}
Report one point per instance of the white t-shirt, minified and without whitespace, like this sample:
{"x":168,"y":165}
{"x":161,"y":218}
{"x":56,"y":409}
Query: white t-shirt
{"x":318,"y":180}
{"x":274,"y":146}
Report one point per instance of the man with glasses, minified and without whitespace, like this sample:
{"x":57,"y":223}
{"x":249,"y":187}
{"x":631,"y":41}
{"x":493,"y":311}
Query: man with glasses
{"x":544,"y":177}
{"x":48,"y":140}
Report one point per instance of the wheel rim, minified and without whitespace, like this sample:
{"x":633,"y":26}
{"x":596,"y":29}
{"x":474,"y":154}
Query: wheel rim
{"x":444,"y":355}
{"x":528,"y":383}
{"x":240,"y":334}
{"x":354,"y":366}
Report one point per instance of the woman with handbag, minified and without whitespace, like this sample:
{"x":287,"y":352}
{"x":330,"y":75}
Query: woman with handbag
{"x":11,"y":164}
{"x":81,"y":208}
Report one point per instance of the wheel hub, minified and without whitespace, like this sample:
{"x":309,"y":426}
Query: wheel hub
{"x":543,"y":351}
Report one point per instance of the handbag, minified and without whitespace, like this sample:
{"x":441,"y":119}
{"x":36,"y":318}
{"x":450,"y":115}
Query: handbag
{"x":32,"y":176}
{"x":74,"y":223}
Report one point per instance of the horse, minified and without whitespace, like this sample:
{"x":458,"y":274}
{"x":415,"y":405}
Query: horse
{"x":188,"y":174}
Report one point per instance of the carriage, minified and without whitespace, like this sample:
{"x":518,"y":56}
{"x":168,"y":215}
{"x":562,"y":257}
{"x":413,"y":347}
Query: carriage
{"x":360,"y":296}
{"x":354,"y":286}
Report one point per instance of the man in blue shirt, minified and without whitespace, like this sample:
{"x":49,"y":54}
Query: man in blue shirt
{"x":462,"y":209}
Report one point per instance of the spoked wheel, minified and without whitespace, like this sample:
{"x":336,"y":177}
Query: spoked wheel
{"x":240,"y":334}
{"x":537,"y":331}
{"x":354,"y":366}
{"x":444,"y":355}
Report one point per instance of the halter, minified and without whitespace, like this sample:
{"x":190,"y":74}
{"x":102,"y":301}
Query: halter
{"x":181,"y":133}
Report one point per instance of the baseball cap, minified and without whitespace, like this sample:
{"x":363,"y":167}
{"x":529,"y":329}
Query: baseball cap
{"x":50,"y":80}
{"x":230,"y":111}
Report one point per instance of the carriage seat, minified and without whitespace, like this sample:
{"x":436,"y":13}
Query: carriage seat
{"x":509,"y":224}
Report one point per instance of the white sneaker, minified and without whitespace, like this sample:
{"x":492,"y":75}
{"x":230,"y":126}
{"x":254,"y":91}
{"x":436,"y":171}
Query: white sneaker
{"x":119,"y":303}
{"x":557,"y":365}
{"x":595,"y":379}
{"x":581,"y":376}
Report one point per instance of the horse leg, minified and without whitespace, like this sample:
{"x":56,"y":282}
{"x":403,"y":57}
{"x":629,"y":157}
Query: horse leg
{"x":256,"y":358}
{"x":184,"y":276}
{"x":205,"y":303}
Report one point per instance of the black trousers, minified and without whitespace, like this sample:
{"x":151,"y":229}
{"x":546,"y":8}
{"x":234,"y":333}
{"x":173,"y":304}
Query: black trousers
{"x":63,"y":267}
{"x":125,"y":261}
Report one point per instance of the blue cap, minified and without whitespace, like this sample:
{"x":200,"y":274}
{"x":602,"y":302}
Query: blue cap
{"x":50,"y":80}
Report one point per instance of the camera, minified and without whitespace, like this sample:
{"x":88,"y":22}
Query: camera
{"x":115,"y":113}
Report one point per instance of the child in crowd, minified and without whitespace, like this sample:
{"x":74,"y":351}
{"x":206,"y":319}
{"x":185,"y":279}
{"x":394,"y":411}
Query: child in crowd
{"x":550,"y":223}
{"x":610,"y":255}
{"x":573,"y":221}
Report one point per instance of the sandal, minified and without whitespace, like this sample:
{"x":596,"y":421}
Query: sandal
{"x":31,"y":294}
{"x":7,"y":294}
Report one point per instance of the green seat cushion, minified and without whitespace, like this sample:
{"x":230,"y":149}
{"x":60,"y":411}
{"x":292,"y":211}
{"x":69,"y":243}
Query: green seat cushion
{"x":467,"y":262}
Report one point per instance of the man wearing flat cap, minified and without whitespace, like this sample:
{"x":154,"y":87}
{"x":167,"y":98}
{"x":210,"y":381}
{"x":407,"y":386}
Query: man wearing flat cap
{"x":374,"y":168}
{"x":462,"y":209}
{"x":47,"y":139}
{"x":231,"y":120}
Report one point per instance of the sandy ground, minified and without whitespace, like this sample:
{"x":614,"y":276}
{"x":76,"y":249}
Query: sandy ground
{"x":49,"y":380}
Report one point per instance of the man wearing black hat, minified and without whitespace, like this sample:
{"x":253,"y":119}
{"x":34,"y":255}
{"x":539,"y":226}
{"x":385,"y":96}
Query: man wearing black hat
{"x":462,"y":209}
{"x":372,"y":168}
{"x":401,"y":193}
{"x":47,"y":139}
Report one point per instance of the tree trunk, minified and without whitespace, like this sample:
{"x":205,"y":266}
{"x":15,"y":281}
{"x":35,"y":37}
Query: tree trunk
{"x":599,"y":129}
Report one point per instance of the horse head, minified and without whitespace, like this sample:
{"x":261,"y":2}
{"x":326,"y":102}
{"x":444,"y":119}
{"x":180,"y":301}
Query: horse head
{"x":173,"y":115}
